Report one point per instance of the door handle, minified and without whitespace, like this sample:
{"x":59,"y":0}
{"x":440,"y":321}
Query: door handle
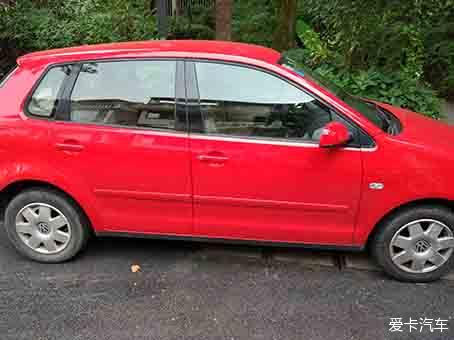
{"x":71,"y":146}
{"x":212,"y":159}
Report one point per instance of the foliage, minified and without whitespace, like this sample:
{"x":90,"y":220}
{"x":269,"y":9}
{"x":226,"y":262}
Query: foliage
{"x":439,"y":58}
{"x":411,"y":37}
{"x":199,"y":23}
{"x":395,"y":88}
{"x":36,"y":25}
{"x":253,"y":21}
{"x":317,"y":49}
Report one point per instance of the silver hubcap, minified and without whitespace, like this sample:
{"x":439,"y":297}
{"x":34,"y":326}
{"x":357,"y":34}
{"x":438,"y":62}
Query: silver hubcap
{"x":422,"y":246}
{"x":43,"y":228}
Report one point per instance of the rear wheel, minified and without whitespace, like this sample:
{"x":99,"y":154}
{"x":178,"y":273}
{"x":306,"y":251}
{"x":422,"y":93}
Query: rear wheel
{"x":416,"y":245}
{"x":46,"y":226}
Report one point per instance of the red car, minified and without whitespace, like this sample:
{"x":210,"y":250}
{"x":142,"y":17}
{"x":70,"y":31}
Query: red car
{"x":220,"y":141}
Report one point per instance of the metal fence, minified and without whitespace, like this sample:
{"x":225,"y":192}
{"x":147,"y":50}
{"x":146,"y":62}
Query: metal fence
{"x":167,"y":8}
{"x":185,"y":5}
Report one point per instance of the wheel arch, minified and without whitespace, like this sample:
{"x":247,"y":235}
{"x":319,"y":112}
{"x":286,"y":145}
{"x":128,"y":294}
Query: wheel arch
{"x":440,"y":202}
{"x":14,"y":188}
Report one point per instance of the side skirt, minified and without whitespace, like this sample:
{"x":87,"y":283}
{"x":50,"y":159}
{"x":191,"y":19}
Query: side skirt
{"x":233,"y":241}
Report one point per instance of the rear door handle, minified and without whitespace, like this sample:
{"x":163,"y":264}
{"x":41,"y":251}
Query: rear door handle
{"x":208,"y":158}
{"x":70,"y":146}
{"x":213,"y":159}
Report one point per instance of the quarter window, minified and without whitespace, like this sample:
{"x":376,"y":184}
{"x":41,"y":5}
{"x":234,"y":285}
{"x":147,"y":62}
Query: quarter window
{"x":242,"y":101}
{"x":44,"y":100}
{"x":4,"y":77}
{"x":128,"y":93}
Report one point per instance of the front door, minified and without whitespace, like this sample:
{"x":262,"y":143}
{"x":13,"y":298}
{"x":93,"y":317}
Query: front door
{"x":124,"y":137}
{"x":258,"y":173}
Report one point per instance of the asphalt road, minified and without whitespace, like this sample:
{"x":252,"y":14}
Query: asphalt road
{"x":182,"y":294}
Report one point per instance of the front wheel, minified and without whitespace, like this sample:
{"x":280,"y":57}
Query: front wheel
{"x":45,"y":226}
{"x":417,"y":244}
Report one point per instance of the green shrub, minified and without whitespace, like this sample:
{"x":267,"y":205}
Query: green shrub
{"x":410,"y":37}
{"x":396,"y":88}
{"x":199,"y":23}
{"x":254,"y":21}
{"x":60,"y":23}
{"x":439,"y":62}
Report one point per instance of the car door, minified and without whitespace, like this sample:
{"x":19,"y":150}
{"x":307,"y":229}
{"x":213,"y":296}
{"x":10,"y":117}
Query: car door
{"x":121,"y":132}
{"x":258,"y":172}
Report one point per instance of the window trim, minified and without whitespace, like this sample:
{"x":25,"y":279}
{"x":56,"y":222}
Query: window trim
{"x":361,"y":134}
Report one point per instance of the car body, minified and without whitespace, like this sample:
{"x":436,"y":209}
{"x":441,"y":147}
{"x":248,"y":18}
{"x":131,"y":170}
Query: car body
{"x":168,"y":172}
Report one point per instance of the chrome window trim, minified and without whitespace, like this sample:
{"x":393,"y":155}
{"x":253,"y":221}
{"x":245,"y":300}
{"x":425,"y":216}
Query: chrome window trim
{"x":262,"y":141}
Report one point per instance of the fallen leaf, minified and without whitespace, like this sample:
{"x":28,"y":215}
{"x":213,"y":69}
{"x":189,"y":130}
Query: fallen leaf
{"x":135,"y":268}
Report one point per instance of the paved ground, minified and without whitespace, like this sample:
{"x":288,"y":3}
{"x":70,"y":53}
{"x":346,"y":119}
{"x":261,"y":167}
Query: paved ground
{"x":188,"y":291}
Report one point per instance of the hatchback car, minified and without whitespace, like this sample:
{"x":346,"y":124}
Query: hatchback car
{"x":217,"y":141}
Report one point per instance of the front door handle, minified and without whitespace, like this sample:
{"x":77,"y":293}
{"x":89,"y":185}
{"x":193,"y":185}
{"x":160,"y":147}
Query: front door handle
{"x":71,"y":146}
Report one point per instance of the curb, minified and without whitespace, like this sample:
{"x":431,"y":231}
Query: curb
{"x":305,"y":258}
{"x":360,"y":261}
{"x":229,"y":252}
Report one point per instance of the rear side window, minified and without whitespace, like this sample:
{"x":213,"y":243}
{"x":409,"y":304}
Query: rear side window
{"x":5,"y":76}
{"x":44,"y":99}
{"x":127,"y":93}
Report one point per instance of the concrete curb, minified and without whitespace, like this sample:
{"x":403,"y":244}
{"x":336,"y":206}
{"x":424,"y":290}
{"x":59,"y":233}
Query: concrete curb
{"x":229,"y":252}
{"x":305,"y":258}
{"x":360,"y":261}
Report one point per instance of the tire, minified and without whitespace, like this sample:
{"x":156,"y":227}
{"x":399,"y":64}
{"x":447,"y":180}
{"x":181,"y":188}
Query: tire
{"x":411,"y":234}
{"x":46,"y":226}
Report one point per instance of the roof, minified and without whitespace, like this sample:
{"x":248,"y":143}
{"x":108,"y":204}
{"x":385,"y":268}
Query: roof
{"x":154,"y":47}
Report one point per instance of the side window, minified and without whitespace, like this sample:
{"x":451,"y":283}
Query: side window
{"x":5,"y":76}
{"x":241,"y":101}
{"x":44,"y":100}
{"x":128,"y":93}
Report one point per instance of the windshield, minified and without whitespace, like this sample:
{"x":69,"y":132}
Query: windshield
{"x":378,"y":116}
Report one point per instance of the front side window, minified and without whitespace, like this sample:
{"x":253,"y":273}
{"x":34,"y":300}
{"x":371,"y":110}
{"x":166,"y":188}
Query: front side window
{"x":44,"y":99}
{"x":127,"y":93}
{"x":242,"y":101}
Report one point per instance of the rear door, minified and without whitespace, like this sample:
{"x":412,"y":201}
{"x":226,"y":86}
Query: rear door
{"x":121,"y":132}
{"x":258,"y":173}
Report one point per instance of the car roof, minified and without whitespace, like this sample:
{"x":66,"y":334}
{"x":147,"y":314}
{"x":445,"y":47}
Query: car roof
{"x":178,"y":48}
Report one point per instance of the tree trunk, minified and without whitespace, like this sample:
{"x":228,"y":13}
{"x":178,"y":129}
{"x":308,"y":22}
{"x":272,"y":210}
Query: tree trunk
{"x":284,"y":37}
{"x":224,"y":19}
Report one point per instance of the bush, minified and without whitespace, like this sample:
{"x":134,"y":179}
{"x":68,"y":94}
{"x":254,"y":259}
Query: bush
{"x":199,"y":23}
{"x":439,"y":63}
{"x":410,"y":37}
{"x":254,"y":21}
{"x":395,"y":88}
{"x":59,"y":23}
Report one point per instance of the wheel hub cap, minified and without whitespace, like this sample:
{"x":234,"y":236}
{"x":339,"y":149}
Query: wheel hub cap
{"x":422,"y":246}
{"x":43,"y":228}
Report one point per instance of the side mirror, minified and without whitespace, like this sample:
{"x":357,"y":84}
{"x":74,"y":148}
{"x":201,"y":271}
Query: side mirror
{"x":334,"y":134}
